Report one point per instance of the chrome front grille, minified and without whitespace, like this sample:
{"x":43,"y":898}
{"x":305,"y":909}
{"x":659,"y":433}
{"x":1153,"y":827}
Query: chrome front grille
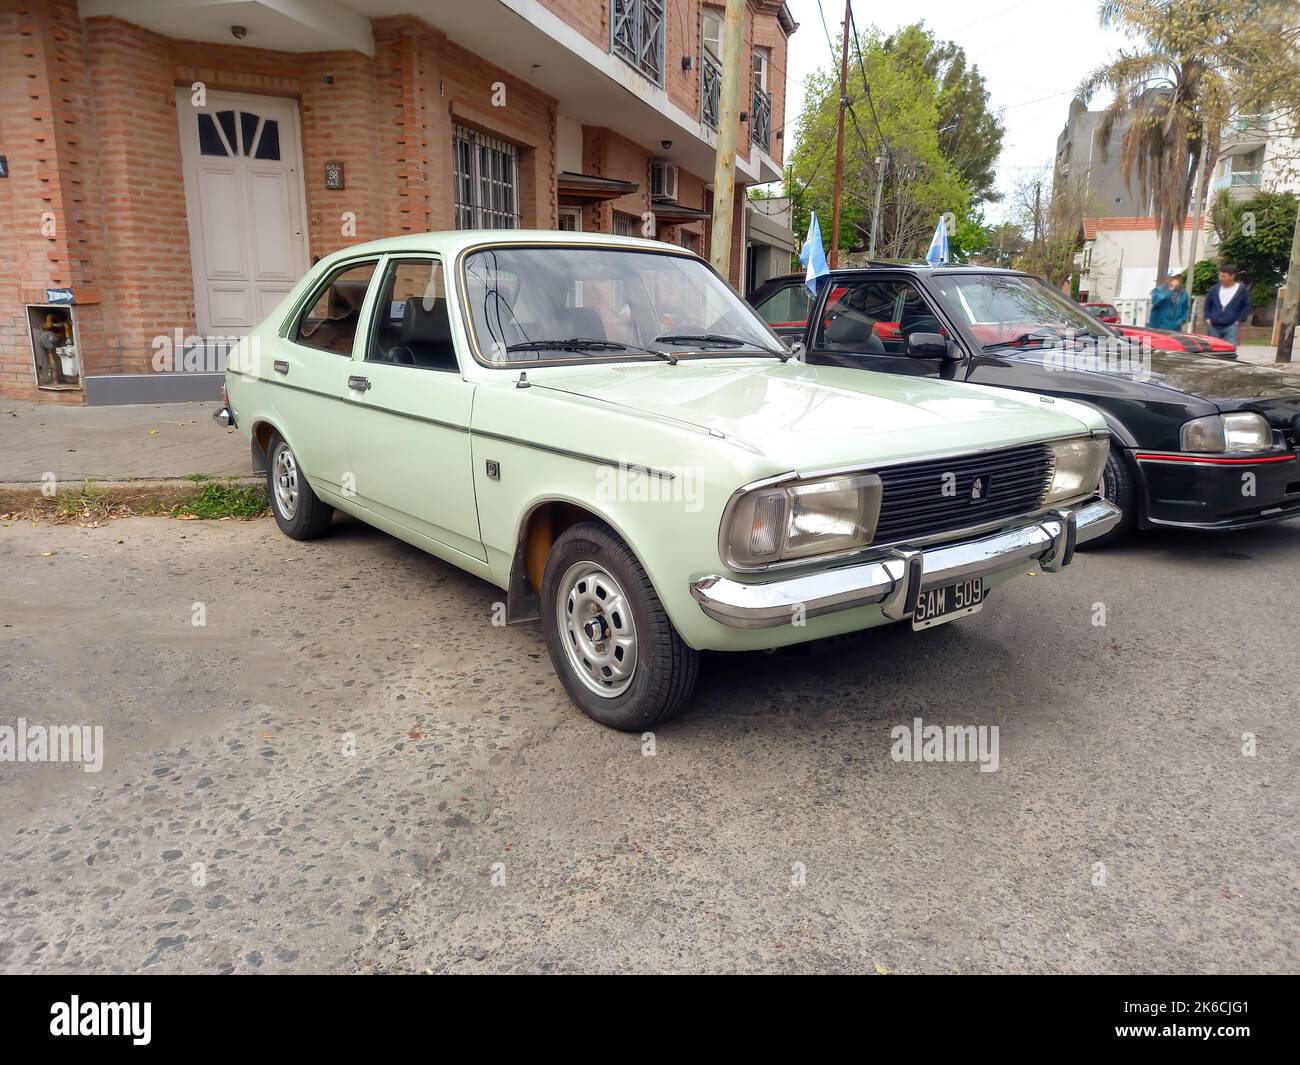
{"x":929,"y":498}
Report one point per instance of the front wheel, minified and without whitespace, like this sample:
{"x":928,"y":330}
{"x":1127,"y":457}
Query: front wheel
{"x":608,"y":636}
{"x":1118,"y":486}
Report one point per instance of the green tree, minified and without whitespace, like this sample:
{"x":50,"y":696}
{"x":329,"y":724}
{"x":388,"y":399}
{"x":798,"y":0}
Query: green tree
{"x":1255,"y":235}
{"x":968,"y":237}
{"x":1205,"y":275}
{"x":895,"y":135}
{"x":1170,"y":92}
{"x":1005,"y":243}
{"x":970,"y":134}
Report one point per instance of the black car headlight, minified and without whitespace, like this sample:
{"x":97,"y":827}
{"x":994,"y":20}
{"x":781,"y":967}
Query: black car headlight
{"x":1239,"y":431}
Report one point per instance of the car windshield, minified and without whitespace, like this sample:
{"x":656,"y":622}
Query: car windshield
{"x":1005,"y":309}
{"x":566,"y":303}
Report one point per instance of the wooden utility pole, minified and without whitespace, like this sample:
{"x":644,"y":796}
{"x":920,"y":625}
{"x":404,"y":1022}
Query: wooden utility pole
{"x":1290,"y":308}
{"x":834,"y":259}
{"x":724,"y":167}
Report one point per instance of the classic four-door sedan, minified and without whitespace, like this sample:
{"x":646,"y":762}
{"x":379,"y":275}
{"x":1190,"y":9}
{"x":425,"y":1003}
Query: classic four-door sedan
{"x":602,"y":428}
{"x":1198,"y":442}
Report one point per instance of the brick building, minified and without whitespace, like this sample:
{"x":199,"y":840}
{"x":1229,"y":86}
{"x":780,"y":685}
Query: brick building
{"x":171,"y":169}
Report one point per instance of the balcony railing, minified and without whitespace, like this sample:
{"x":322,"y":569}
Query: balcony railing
{"x":760,"y":121}
{"x":1248,"y":124}
{"x":710,"y":91}
{"x":636,"y":35}
{"x":1242,"y":179}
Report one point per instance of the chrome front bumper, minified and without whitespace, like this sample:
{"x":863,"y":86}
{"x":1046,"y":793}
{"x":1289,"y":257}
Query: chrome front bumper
{"x":893,"y":580}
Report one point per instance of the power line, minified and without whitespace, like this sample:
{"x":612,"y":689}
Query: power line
{"x":985,"y":18}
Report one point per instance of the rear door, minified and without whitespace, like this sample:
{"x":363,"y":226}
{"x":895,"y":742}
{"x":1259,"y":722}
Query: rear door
{"x":310,"y":365}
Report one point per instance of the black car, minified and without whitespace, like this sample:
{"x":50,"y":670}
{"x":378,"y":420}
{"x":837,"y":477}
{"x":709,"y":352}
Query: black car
{"x":1198,"y":442}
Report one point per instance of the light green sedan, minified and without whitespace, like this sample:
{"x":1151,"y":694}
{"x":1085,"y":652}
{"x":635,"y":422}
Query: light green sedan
{"x":601,"y":427}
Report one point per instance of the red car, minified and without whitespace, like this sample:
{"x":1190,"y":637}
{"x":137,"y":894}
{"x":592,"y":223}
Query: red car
{"x":1103,"y":312}
{"x":1172,"y":340}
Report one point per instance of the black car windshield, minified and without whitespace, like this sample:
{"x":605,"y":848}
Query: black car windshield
{"x":1002,"y":309}
{"x":572,"y":302}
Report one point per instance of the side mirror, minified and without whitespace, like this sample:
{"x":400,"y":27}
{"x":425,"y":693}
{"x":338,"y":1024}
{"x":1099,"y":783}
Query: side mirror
{"x":932,"y":346}
{"x":797,"y":349}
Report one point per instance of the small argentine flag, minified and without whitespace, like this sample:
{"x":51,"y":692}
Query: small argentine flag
{"x":937,"y":255}
{"x":813,"y":256}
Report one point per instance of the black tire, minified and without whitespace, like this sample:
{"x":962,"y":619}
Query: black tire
{"x":664,"y":670}
{"x":1118,"y":486}
{"x":307,"y":517}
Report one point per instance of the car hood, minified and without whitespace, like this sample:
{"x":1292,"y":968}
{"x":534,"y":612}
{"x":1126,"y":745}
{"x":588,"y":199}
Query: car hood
{"x":1226,"y":382}
{"x":807,"y":417}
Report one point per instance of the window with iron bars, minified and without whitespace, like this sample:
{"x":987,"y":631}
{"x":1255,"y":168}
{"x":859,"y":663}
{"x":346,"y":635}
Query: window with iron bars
{"x":636,"y":35}
{"x":485,"y":175}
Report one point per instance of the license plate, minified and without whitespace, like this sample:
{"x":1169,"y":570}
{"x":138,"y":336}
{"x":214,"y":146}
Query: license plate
{"x":947,"y":602}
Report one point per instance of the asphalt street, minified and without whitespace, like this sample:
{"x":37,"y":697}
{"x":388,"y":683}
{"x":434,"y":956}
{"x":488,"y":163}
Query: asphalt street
{"x":347,"y":767}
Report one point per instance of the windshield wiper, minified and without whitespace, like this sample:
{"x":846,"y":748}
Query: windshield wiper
{"x":1040,"y":335}
{"x":588,"y":344}
{"x":717,"y":340}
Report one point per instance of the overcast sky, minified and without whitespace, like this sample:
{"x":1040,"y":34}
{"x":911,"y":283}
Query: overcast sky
{"x":1032,"y":53}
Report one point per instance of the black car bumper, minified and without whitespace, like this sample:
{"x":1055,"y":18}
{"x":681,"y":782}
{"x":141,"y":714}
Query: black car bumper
{"x":1219,"y":493}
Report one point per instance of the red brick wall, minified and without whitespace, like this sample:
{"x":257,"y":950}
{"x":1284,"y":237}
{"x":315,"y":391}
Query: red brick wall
{"x":93,"y":140}
{"x":50,"y":202}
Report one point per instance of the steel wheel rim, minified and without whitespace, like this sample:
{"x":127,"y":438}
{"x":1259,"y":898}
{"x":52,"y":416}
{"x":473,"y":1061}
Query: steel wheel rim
{"x":597,"y":629}
{"x":285,"y":480}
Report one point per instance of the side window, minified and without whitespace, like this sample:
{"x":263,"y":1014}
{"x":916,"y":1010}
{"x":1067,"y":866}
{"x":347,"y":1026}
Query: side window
{"x":411,"y":323}
{"x":330,"y":322}
{"x":786,"y":307}
{"x":876,"y":317}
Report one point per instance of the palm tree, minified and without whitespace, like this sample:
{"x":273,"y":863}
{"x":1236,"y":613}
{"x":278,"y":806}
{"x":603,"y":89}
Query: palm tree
{"x":1171,"y":95}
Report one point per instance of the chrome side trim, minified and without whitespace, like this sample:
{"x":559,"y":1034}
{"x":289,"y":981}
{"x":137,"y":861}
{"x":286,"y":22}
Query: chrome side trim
{"x":894,"y":581}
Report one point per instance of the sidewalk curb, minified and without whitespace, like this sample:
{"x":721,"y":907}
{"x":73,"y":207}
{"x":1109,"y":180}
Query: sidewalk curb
{"x":15,"y":495}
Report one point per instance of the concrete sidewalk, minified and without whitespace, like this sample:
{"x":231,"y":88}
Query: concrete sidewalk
{"x":1264,"y":354}
{"x":156,"y":441}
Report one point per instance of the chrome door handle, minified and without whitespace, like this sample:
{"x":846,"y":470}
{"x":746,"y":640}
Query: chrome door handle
{"x":281,"y":366}
{"x":361,"y":384}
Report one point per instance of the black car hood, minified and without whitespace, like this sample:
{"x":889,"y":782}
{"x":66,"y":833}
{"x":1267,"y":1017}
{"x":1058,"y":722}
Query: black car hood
{"x":1226,"y":382}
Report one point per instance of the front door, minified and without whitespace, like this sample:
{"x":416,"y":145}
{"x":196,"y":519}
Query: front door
{"x":244,"y":197}
{"x":867,"y":322}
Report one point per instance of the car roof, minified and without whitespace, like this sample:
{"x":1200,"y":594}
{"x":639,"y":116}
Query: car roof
{"x":452,"y":242}
{"x":908,"y":267}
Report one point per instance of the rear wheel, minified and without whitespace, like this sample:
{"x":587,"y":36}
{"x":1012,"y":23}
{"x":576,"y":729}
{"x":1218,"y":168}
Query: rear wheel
{"x":608,"y":636}
{"x":298,"y":510}
{"x":1119,"y":486}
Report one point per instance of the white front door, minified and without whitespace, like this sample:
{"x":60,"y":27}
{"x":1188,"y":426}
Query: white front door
{"x":244,"y":195}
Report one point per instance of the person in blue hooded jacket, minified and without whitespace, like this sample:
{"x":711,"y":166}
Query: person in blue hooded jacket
{"x":1169,"y":303}
{"x":1227,"y":305}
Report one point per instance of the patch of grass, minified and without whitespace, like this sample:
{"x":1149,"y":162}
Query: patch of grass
{"x":215,"y":500}
{"x":196,"y":477}
{"x":87,"y":502}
